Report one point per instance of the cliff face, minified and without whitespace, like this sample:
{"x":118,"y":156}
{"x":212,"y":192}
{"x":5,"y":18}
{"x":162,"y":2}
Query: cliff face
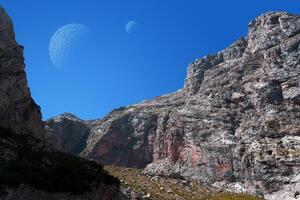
{"x":28,"y":169}
{"x":18,"y":110}
{"x":235,"y":124}
{"x":68,"y":133}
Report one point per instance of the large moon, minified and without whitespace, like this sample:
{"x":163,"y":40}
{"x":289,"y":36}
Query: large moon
{"x":129,"y":26}
{"x":63,"y":41}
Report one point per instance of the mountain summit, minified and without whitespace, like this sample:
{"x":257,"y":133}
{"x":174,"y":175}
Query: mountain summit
{"x":235,"y":124}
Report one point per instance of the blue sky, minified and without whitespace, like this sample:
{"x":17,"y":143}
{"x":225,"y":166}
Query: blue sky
{"x":113,"y":68}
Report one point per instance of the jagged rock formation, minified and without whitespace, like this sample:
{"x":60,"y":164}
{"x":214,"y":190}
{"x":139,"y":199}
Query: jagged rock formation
{"x":68,"y":133}
{"x":17,"y":109}
{"x":235,"y":124}
{"x":28,"y":169}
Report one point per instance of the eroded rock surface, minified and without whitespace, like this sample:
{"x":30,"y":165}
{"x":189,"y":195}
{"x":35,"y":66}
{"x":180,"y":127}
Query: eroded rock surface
{"x":18,"y":111}
{"x":68,"y":133}
{"x":235,"y":124}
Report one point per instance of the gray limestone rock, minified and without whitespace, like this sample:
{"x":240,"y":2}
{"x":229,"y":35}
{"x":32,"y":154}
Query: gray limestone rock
{"x":235,"y":124}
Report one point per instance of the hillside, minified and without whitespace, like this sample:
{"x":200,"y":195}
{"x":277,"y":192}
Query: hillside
{"x":161,"y":188}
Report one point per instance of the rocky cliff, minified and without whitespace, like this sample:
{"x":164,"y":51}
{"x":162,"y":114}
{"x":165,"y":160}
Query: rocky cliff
{"x":68,"y":133}
{"x":29,"y":170}
{"x":235,"y":124}
{"x":18,"y":110}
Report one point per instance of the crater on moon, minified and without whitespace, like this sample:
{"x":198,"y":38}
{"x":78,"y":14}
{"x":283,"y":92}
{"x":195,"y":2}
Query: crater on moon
{"x":63,"y":41}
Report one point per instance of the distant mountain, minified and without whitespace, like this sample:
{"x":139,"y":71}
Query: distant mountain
{"x":68,"y":133}
{"x":234,"y":125}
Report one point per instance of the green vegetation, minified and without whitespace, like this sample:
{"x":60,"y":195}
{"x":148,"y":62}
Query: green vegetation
{"x":46,"y":170}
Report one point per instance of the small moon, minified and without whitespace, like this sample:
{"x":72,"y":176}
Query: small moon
{"x":62,"y":42}
{"x":129,"y":26}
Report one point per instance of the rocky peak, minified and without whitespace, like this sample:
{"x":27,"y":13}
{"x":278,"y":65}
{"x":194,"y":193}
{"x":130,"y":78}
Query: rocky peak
{"x":6,"y":29}
{"x":68,"y":116}
{"x":271,"y":29}
{"x":266,"y":31}
{"x":18,"y":111}
{"x":235,"y":124}
{"x":67,"y":133}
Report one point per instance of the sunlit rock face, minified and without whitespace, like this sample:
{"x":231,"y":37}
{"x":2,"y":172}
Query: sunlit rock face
{"x":235,"y":124}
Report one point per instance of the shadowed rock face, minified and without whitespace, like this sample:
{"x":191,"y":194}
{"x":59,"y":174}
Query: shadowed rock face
{"x":18,"y":110}
{"x":68,"y":133}
{"x":235,"y":124}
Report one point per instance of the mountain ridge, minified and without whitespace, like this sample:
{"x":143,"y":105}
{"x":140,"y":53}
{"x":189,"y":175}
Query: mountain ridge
{"x":235,"y":123}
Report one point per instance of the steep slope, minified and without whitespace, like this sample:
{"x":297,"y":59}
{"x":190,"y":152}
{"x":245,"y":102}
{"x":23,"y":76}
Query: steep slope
{"x":235,"y":124}
{"x":28,"y":169}
{"x":17,"y":109}
{"x":68,"y":133}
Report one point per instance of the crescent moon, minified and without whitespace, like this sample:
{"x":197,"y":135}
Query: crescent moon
{"x":129,"y":26}
{"x":63,"y":41}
